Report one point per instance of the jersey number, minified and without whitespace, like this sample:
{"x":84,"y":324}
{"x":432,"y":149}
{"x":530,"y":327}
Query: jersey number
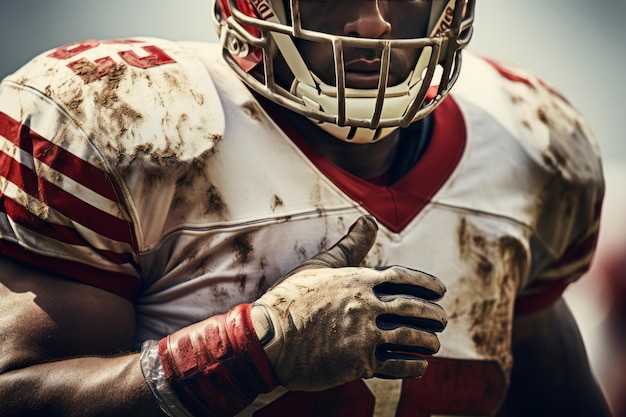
{"x":92,"y":70}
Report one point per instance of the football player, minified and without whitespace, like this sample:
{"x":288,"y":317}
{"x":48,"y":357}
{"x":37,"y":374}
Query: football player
{"x":166,"y":210}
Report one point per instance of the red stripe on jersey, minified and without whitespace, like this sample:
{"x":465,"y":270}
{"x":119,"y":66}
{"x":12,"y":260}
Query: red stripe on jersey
{"x":11,"y":169}
{"x":352,"y":399}
{"x":124,"y":285}
{"x":510,"y":75}
{"x":74,"y":208}
{"x":20,"y":215}
{"x":56,"y":157}
{"x":547,"y":292}
{"x":535,"y":302}
{"x":454,"y":387}
{"x":64,"y":234}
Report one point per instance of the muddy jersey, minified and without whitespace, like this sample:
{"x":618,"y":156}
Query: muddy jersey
{"x":146,"y":168}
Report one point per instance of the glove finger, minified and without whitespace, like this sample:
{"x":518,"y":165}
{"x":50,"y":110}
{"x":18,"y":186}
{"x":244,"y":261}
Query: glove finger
{"x":402,"y":356}
{"x":405,"y":342}
{"x":350,"y":250}
{"x":401,"y":368}
{"x":412,"y":312}
{"x":397,"y":280}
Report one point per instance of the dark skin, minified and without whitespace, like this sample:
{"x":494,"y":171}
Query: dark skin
{"x":74,"y":358}
{"x":402,"y":19}
{"x":65,"y":358}
{"x":551,"y":374}
{"x":377,"y":20}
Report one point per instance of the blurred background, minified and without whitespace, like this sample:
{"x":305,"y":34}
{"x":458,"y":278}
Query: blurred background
{"x":576,"y":46}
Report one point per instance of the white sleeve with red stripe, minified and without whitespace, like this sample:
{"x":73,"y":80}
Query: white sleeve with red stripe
{"x":98,"y":141}
{"x":58,"y":206}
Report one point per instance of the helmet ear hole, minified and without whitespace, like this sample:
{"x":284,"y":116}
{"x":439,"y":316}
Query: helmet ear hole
{"x":236,"y":46}
{"x":246,"y":56}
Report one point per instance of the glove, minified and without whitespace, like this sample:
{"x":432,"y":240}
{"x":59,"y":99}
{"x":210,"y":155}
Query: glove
{"x":329,"y":322}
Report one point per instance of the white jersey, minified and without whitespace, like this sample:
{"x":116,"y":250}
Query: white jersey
{"x":146,"y":168}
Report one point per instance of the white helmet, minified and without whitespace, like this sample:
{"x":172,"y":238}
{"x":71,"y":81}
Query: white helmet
{"x":255,"y":32}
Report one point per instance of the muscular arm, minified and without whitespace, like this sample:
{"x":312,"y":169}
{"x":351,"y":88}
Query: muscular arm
{"x":551,"y":374}
{"x":62,"y":350}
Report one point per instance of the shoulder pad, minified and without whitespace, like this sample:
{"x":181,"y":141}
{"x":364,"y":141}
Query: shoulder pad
{"x":135,"y":98}
{"x":549,"y":128}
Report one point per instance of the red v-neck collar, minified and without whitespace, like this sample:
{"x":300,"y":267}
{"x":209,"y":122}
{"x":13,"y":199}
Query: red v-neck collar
{"x":396,"y":205}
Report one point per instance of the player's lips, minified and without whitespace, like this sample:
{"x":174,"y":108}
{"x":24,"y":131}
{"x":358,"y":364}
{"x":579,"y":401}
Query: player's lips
{"x":363,"y":74}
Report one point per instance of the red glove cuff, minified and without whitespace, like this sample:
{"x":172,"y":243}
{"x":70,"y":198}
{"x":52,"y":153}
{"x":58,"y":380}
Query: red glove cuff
{"x":217,"y":366}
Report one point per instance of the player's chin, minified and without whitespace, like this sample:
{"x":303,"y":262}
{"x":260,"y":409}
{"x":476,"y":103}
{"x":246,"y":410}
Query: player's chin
{"x":362,"y":80}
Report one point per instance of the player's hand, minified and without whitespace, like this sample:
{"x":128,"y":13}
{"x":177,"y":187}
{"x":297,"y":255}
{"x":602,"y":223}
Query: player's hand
{"x":329,"y":322}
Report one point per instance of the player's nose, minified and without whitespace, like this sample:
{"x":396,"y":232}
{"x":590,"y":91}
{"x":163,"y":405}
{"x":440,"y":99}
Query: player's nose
{"x":367,"y":21}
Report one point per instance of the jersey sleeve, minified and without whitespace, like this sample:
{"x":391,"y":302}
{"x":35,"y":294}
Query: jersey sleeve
{"x":559,"y":140}
{"x":555,"y":270}
{"x":102,"y":144}
{"x":59,"y":206}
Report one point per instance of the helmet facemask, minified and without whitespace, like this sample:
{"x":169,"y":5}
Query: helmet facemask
{"x":258,"y":35}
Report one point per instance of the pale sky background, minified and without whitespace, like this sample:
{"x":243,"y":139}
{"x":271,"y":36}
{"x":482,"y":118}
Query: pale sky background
{"x":578,"y":46}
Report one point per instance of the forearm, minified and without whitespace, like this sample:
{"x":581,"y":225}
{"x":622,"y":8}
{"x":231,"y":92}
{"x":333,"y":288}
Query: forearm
{"x":85,"y":387}
{"x":214,"y":367}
